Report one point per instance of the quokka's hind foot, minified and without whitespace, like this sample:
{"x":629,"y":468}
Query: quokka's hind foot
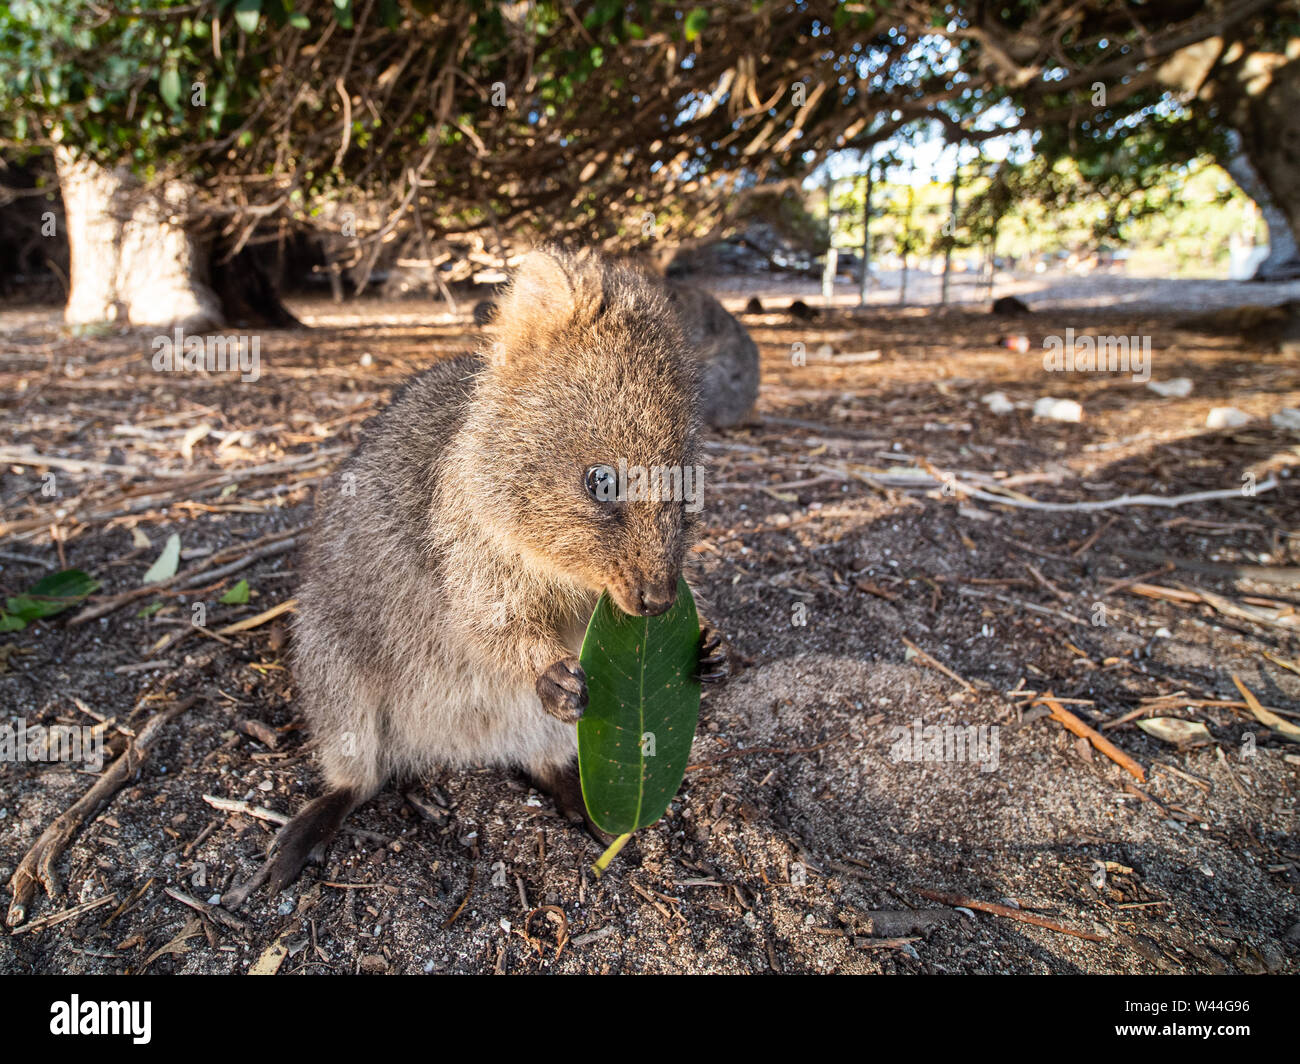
{"x":564,"y":785}
{"x":306,"y":836}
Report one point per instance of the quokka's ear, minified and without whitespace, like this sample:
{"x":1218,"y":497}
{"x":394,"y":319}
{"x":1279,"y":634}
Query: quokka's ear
{"x":552,"y":290}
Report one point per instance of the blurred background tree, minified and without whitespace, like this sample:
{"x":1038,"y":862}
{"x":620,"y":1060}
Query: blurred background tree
{"x":196,"y":142}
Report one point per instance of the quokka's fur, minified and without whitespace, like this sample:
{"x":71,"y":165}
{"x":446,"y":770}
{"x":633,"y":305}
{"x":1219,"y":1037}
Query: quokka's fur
{"x":725,"y":353}
{"x":727,"y":356}
{"x":457,"y":555}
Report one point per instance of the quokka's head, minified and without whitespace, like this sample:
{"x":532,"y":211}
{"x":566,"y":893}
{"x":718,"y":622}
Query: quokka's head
{"x":585,"y":425}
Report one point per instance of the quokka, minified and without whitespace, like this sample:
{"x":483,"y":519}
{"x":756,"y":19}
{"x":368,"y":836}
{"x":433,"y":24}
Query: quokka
{"x":458,"y":553}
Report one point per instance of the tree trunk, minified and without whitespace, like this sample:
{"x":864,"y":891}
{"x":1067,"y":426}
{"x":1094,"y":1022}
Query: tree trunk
{"x":1257,"y":94}
{"x":951,"y":237}
{"x":134,"y":261}
{"x":1283,"y":259}
{"x":864,"y":285}
{"x":1264,"y":107}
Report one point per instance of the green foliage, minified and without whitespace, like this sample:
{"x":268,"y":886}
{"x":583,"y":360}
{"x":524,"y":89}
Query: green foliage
{"x":49,"y":596}
{"x":248,"y":87}
{"x":610,"y":108}
{"x":1180,"y":223}
{"x":237,"y":595}
{"x":643,"y":702}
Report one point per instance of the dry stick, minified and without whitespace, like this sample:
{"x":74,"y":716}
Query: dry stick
{"x":1088,"y":543}
{"x":963,"y":902}
{"x":215,"y":912}
{"x":1282,"y":575}
{"x":193,"y":488}
{"x":1103,"y":504}
{"x":469,"y":890}
{"x":1285,"y":727}
{"x":77,"y":465}
{"x":1127,"y":636}
{"x":37,"y":867}
{"x":1073,"y":724}
{"x":1129,"y":581}
{"x":277,"y":543}
{"x":1047,"y":583}
{"x":887,"y":943}
{"x":1163,"y":702}
{"x":764,"y":750}
{"x":234,"y":805}
{"x":1275,"y":617}
{"x":66,"y":914}
{"x":937,"y":664}
{"x":260,"y":812}
{"x":259,"y":619}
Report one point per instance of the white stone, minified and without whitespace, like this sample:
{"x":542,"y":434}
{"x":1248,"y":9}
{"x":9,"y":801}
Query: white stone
{"x":1058,"y":409}
{"x":1226,"y":417}
{"x":1178,"y":388}
{"x":998,"y":403}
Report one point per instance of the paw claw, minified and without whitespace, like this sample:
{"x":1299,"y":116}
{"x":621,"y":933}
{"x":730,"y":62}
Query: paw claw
{"x":712,"y":665}
{"x":563,"y":690}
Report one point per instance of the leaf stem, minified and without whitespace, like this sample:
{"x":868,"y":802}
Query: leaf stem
{"x":609,"y":855}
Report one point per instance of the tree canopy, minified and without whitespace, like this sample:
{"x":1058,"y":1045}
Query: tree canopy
{"x":621,"y":123}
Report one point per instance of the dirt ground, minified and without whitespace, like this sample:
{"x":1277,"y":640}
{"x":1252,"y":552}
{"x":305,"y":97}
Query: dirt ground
{"x":861,"y":588}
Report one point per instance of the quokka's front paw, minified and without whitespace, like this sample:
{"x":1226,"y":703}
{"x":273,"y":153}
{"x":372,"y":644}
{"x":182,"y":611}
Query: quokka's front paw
{"x":712,"y":666}
{"x":563,"y":690}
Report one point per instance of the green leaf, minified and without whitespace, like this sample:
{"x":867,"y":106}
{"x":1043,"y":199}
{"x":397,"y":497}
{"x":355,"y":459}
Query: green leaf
{"x":50,"y":595}
{"x":168,"y":561}
{"x":247,"y":14}
{"x":236,"y":596}
{"x":149,"y":610}
{"x":169,"y":87}
{"x":695,"y":23}
{"x":635,"y":736}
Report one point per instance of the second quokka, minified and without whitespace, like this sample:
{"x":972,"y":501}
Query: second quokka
{"x":458,"y":554}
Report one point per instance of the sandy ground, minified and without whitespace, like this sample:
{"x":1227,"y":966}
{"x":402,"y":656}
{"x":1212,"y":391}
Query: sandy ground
{"x":808,"y":837}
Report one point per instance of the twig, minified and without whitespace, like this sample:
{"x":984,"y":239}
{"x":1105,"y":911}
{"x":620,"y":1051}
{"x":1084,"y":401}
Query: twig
{"x":267,"y":547}
{"x":1282,"y":575}
{"x":259,"y":619}
{"x":1047,"y":583}
{"x":77,"y":465}
{"x":257,"y":812}
{"x":216,"y":912}
{"x":1102,"y":504}
{"x":764,"y":750}
{"x":37,"y":867}
{"x":14,"y":556}
{"x":66,"y":914}
{"x":1073,"y":724}
{"x":934,"y":664}
{"x":260,"y":812}
{"x":1285,"y":727}
{"x":960,"y":901}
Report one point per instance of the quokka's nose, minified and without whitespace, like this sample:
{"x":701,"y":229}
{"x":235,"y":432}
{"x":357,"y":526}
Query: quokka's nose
{"x":654,"y":601}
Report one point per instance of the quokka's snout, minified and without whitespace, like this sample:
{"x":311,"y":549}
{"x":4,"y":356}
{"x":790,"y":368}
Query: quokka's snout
{"x":645,"y":598}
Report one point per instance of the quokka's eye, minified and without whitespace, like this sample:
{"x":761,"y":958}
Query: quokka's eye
{"x":602,"y":483}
